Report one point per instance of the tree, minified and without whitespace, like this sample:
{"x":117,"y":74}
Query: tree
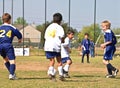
{"x":20,"y":21}
{"x":42,"y":29}
{"x":90,"y":31}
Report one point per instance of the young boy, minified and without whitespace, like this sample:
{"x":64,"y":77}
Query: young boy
{"x":92,"y":48}
{"x":65,"y":53}
{"x":7,"y":33}
{"x":109,"y":46}
{"x":85,"y":44}
{"x":53,"y":37}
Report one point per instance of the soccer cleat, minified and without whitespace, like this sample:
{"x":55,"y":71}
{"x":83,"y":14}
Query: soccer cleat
{"x":61,"y":78}
{"x":66,"y":75}
{"x":115,"y":72}
{"x":52,"y":77}
{"x":12,"y":77}
{"x":109,"y":76}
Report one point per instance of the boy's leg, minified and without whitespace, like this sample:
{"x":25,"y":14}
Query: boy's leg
{"x":51,"y":67}
{"x":12,"y":67}
{"x":12,"y":75}
{"x":11,"y":56}
{"x":106,"y":62}
{"x":68,"y":63}
{"x":66,"y":68}
{"x":82,"y":61}
{"x":88,"y":58}
{"x":7,"y":63}
{"x":113,"y":69}
{"x":60,"y":68}
{"x":51,"y":70}
{"x":109,"y":75}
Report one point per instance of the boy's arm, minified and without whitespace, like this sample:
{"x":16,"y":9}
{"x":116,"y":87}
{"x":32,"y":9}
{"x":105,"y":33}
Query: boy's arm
{"x":66,"y":43}
{"x":18,"y":35}
{"x":105,"y":44}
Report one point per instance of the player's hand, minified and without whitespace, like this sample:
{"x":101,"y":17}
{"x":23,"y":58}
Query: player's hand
{"x":20,"y":40}
{"x":102,"y":46}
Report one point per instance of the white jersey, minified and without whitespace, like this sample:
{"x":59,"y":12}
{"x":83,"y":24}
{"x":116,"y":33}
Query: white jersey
{"x":65,"y":48}
{"x":53,"y":35}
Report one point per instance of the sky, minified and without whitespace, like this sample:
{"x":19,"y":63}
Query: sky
{"x":82,"y":11}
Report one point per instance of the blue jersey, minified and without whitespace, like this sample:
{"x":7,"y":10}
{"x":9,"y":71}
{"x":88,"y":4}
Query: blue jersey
{"x":85,"y":44}
{"x":109,"y":36}
{"x":7,"y":33}
{"x":110,"y":48}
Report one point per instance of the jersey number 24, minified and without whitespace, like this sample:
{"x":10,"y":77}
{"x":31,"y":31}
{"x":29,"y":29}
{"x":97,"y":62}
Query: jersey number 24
{"x":3,"y":33}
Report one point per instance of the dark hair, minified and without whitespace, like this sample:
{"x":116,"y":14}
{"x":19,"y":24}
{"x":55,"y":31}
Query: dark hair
{"x":87,"y":34}
{"x":70,"y":31}
{"x":57,"y":18}
{"x":6,"y":17}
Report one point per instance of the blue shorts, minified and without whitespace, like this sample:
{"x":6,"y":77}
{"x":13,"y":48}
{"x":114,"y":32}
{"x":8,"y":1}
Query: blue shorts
{"x":86,"y":51}
{"x":64,"y":60}
{"x":7,"y":50}
{"x":50,"y":55}
{"x":109,"y":52}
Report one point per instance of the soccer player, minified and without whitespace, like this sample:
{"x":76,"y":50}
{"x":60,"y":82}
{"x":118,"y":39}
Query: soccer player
{"x":109,"y":47}
{"x":92,"y":48}
{"x":53,"y":37}
{"x":85,"y":45}
{"x":65,"y":53}
{"x":7,"y":33}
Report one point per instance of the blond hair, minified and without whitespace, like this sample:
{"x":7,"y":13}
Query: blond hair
{"x":107,"y":24}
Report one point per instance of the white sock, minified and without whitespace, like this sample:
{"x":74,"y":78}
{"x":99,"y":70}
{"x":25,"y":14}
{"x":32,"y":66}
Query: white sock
{"x":60,"y":70}
{"x":51,"y":70}
{"x":66,"y":67}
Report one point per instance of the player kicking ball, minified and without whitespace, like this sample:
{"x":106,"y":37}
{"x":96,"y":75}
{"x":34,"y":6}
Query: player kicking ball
{"x":109,"y":47}
{"x":53,"y":37}
{"x":7,"y":33}
{"x":65,"y":53}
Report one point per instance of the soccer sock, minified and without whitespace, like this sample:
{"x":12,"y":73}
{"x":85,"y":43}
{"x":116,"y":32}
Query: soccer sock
{"x":51,"y":70}
{"x":7,"y":64}
{"x":111,"y":67}
{"x":108,"y":69}
{"x":82,"y":58}
{"x":60,"y":70}
{"x":12,"y":68}
{"x":87,"y":57}
{"x":66,"y":67}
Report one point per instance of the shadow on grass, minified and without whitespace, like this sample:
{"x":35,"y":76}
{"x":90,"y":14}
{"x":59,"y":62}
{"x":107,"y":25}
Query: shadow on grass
{"x":81,"y":80}
{"x":117,"y":78}
{"x":85,"y":76}
{"x":32,"y":78}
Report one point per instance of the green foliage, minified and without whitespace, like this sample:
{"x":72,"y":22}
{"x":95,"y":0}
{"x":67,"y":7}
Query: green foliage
{"x":116,"y":31}
{"x":90,"y":31}
{"x":42,"y":29}
{"x":0,"y":20}
{"x":20,"y":20}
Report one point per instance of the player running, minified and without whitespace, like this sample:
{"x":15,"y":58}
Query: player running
{"x":109,"y":46}
{"x":65,"y":53}
{"x":7,"y":33}
{"x":53,"y":37}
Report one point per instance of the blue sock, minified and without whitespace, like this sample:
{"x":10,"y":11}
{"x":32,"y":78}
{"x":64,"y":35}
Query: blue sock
{"x":12,"y":68}
{"x":109,"y":69}
{"x":7,"y":64}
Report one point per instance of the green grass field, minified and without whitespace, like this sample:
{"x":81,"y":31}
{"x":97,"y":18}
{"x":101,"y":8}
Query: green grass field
{"x":32,"y":73}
